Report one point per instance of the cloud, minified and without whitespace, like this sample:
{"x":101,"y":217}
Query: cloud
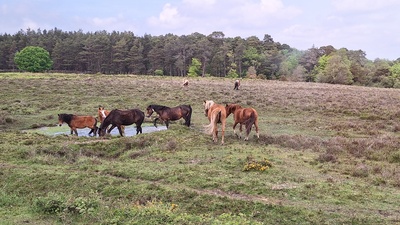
{"x":199,"y":3}
{"x":169,"y":17}
{"x":363,"y":5}
{"x":271,"y":6}
{"x":28,"y":23}
{"x":101,"y":22}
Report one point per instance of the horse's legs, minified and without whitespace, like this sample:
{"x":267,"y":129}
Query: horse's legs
{"x":256,"y":125}
{"x":223,"y":123}
{"x":76,"y":132}
{"x":234,"y":129}
{"x":72,"y":131}
{"x":167,"y":123}
{"x":240,"y":130}
{"x":155,"y":122}
{"x":215,"y":133}
{"x":93,"y":131}
{"x":248,"y":131}
{"x":123,"y":129}
{"x":138,"y":129}
{"x":120,"y":130}
{"x":111,"y":128}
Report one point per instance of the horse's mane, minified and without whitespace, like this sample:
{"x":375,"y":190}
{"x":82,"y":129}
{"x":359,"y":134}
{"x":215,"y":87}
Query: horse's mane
{"x":66,"y":117}
{"x":159,"y":107}
{"x":208,"y":104}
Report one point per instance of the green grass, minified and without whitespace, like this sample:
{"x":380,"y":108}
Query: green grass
{"x":333,"y":154}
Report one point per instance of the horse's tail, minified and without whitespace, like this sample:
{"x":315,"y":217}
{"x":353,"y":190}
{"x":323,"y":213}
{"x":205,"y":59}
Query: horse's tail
{"x":189,"y":116}
{"x":249,"y":122}
{"x":215,"y":116}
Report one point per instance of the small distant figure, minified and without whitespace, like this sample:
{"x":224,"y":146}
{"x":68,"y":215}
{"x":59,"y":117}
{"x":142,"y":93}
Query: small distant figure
{"x":185,"y":83}
{"x":237,"y":84}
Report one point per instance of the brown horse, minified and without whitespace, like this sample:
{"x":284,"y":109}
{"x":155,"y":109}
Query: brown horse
{"x":186,"y":83}
{"x":80,"y":122}
{"x":103,"y":113}
{"x":167,"y":114}
{"x":216,"y":113}
{"x":237,"y":84}
{"x":118,"y":118}
{"x":246,"y":116}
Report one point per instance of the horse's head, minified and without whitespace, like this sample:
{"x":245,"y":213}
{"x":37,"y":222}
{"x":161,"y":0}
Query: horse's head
{"x":149,"y":111}
{"x":60,"y":119}
{"x":231,"y":108}
{"x":102,"y":131}
{"x":102,"y":113}
{"x":207,"y":105}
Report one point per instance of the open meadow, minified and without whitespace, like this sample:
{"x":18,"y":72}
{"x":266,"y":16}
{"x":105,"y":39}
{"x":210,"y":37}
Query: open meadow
{"x":327,"y":154}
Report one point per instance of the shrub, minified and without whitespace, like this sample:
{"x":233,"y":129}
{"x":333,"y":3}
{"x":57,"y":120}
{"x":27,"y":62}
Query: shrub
{"x":33,"y":59}
{"x":159,"y":72}
{"x":260,"y":165}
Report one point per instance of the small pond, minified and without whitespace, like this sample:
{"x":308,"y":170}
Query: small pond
{"x":64,"y":129}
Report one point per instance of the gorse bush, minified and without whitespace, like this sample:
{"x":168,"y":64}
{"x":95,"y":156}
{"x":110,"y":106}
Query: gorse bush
{"x":257,"y":165}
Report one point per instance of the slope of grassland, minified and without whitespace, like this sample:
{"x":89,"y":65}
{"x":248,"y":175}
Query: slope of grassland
{"x":327,"y":154}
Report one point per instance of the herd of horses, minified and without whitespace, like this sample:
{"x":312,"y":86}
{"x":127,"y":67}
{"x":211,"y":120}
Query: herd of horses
{"x":216,"y":113}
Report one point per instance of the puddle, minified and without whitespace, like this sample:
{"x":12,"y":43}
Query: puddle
{"x":64,"y":129}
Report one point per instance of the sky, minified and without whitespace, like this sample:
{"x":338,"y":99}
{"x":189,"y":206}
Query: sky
{"x":372,"y":26}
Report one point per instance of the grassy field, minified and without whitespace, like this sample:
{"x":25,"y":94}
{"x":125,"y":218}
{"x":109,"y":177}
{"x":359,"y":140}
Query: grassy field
{"x":327,"y":154}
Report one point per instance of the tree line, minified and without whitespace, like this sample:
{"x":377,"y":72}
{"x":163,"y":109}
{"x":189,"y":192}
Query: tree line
{"x":199,"y":55}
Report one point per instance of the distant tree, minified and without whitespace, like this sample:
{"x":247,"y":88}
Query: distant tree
{"x":395,"y":75}
{"x":33,"y":59}
{"x":336,"y":70}
{"x":194,"y":69}
{"x":251,"y":72}
{"x":299,"y":74}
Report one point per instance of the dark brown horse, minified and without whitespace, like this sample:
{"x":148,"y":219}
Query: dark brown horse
{"x":167,"y":114}
{"x":80,"y":122}
{"x":246,"y":116}
{"x":103,"y":113}
{"x":216,"y":113}
{"x":119,"y":118}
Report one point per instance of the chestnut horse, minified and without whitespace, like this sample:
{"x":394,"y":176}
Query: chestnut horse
{"x":103,"y":113}
{"x":118,"y":118}
{"x":246,"y":116}
{"x":216,"y":113}
{"x":80,"y":122}
{"x":167,"y":114}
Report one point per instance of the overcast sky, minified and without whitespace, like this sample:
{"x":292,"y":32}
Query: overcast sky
{"x":370,"y":25}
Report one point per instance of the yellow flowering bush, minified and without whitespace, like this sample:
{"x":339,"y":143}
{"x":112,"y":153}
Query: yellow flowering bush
{"x":261,"y":165}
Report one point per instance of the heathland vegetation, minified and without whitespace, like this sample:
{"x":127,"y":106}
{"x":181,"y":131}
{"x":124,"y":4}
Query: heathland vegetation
{"x":327,"y":154}
{"x":211,"y":55}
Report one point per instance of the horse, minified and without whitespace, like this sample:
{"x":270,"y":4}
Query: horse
{"x":80,"y":122}
{"x":237,"y":84}
{"x":216,"y":113}
{"x":103,"y":113}
{"x":118,"y":118}
{"x":186,"y":83}
{"x":246,"y":116}
{"x":167,"y":114}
